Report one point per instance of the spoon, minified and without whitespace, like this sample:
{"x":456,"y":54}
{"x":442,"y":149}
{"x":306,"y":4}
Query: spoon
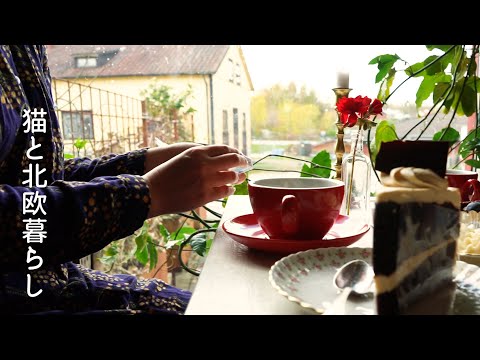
{"x":354,"y":277}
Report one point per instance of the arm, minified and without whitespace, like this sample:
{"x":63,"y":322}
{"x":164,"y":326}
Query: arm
{"x":81,"y":218}
{"x":137,"y":162}
{"x":85,"y":169}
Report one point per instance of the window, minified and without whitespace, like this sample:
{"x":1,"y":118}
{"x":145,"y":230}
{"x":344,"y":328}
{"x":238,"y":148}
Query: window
{"x":237,"y":74}
{"x":85,"y":61}
{"x":77,"y":124}
{"x":232,"y":70}
{"x":225,"y":127}
{"x":235,"y":127}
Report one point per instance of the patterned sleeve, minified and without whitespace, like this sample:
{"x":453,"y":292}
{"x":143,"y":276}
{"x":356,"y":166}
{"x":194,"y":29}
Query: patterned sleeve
{"x":85,"y":169}
{"x":81,"y":218}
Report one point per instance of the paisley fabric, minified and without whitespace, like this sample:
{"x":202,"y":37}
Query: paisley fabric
{"x":88,"y":203}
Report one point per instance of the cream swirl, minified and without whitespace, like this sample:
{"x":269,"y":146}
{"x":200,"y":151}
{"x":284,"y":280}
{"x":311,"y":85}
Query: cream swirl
{"x":410,"y":177}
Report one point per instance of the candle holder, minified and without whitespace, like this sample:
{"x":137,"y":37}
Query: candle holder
{"x":339,"y":146}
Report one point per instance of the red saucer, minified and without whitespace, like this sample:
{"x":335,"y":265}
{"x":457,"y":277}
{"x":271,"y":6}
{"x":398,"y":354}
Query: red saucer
{"x":245,"y":230}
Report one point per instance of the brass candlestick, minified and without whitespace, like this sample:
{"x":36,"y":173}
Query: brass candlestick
{"x":339,"y":147}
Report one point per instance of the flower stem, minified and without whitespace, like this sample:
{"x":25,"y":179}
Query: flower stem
{"x":350,"y":185}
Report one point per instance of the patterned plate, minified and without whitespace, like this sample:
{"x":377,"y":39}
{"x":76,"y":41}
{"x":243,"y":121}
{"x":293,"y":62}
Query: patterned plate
{"x":307,"y":279}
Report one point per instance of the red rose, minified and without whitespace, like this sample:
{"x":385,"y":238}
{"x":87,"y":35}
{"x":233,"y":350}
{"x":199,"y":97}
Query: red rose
{"x":376,"y":107}
{"x":348,"y":107}
{"x":351,"y":109}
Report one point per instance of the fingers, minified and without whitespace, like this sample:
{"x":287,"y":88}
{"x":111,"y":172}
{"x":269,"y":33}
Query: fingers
{"x":216,"y":150}
{"x":228,"y":161}
{"x":221,"y":191}
{"x":226,"y":177}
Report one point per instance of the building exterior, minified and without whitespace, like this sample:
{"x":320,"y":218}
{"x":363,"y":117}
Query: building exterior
{"x":218,"y":76}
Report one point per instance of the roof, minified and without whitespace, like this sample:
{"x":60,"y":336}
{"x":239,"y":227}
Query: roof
{"x":136,"y":60}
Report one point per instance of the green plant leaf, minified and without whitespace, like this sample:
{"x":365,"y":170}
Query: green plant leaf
{"x":473,"y":162}
{"x":451,"y":135}
{"x":153,"y":255}
{"x":322,"y":158}
{"x":68,"y":156}
{"x":241,"y":189}
{"x":141,"y":253}
{"x":470,"y":144}
{"x":384,"y":64}
{"x":436,"y":68}
{"x":163,"y":231}
{"x":428,"y":85}
{"x":384,"y":90}
{"x":184,"y":231}
{"x":172,"y":243}
{"x":199,"y":244}
{"x":80,"y":143}
{"x":209,"y":245}
{"x":111,"y":250}
{"x":441,"y":47}
{"x":469,"y":98}
{"x":414,"y":68}
{"x":440,"y":91}
{"x":385,"y":132}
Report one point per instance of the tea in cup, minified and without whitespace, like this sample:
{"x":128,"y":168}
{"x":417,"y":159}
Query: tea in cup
{"x":296,"y":208}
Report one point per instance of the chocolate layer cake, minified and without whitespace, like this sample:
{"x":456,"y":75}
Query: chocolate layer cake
{"x":416,"y":225}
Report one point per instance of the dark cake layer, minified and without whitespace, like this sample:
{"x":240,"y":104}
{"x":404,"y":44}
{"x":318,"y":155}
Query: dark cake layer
{"x":402,"y":232}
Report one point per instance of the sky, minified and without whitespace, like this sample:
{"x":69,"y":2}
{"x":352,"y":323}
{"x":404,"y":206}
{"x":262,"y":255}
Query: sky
{"x":316,"y":66}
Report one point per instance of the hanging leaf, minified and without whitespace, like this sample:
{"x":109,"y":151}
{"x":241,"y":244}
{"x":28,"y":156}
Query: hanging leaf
{"x":451,"y":135}
{"x":184,"y":232}
{"x":68,"y":156}
{"x":470,"y":144}
{"x":384,"y":91}
{"x":428,"y":85}
{"x":163,"y":231}
{"x":172,"y":243}
{"x":412,"y":69}
{"x":385,"y":132}
{"x":142,"y":255}
{"x":241,"y":189}
{"x":153,"y":255}
{"x":440,"y":91}
{"x":441,"y":47}
{"x":473,"y":162}
{"x":199,"y":244}
{"x":322,"y":159}
{"x":469,"y":99}
{"x":384,"y":64}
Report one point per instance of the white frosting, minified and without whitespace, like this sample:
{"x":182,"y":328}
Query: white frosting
{"x":408,"y":184}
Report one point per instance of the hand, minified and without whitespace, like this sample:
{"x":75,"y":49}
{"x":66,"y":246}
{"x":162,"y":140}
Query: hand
{"x":158,"y":155}
{"x":193,"y":178}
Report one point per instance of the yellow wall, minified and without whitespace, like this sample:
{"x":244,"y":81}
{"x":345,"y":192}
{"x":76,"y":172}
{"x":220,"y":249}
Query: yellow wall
{"x":228,"y":95}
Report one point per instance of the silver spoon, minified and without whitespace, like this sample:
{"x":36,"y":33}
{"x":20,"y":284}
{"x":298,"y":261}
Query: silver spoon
{"x":354,"y":277}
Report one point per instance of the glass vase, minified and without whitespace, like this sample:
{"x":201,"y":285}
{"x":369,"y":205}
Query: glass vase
{"x":356,"y":173}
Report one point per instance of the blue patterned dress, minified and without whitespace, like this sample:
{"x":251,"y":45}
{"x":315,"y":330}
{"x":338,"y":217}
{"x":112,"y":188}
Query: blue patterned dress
{"x":89,"y":203}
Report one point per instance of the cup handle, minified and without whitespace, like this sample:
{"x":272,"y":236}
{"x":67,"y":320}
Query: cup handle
{"x":290,"y":216}
{"x":467,"y":189}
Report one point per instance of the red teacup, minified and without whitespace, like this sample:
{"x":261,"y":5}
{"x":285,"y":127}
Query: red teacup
{"x":467,"y":182}
{"x":296,"y":208}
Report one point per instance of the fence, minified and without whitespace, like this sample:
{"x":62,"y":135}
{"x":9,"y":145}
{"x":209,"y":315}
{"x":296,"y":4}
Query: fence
{"x":109,"y":122}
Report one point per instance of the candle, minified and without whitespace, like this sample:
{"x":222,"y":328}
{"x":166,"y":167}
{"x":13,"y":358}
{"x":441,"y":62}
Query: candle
{"x":342,"y":80}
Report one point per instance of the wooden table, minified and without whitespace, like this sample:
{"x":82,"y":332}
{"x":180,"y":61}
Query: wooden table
{"x":234,"y":279}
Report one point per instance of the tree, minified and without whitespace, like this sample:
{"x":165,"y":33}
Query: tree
{"x":289,"y":113}
{"x":168,"y":109}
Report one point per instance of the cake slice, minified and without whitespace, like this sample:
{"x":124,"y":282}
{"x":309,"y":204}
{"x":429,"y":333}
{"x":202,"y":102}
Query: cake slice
{"x":416,"y":225}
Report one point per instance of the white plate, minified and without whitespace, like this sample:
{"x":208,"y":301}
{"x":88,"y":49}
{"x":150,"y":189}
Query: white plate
{"x":307,"y":279}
